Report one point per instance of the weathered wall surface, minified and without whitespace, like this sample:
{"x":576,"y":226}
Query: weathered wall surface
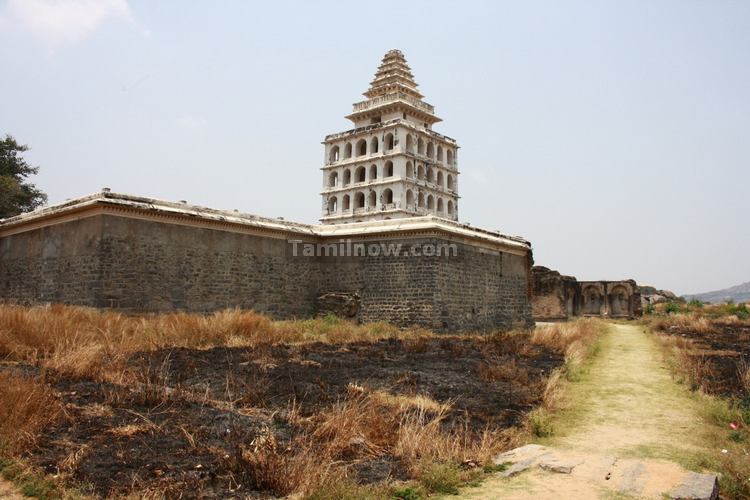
{"x":58,"y":263}
{"x":136,"y":264}
{"x":472,"y":288}
{"x":555,"y":297}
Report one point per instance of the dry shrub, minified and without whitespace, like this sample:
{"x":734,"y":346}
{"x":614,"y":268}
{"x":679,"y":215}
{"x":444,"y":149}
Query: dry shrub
{"x":27,"y":406}
{"x":574,"y":339}
{"x":743,"y":375}
{"x":503,"y":369}
{"x":693,"y":322}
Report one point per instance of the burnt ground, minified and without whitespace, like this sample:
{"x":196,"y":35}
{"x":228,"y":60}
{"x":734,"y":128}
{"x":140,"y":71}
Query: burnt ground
{"x":724,"y":351}
{"x":119,"y":439}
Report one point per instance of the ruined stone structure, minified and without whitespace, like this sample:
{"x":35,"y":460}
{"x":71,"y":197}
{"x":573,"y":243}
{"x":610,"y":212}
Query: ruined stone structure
{"x":557,"y":297}
{"x":391,"y":164}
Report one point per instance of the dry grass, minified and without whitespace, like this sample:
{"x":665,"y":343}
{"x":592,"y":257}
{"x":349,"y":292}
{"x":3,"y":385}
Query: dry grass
{"x":410,"y":430}
{"x":27,"y":406}
{"x":83,"y":342}
{"x":577,"y":340}
{"x":368,"y":424}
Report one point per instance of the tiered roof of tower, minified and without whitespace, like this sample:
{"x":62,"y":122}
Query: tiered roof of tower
{"x":393,"y":75}
{"x":394,"y":88}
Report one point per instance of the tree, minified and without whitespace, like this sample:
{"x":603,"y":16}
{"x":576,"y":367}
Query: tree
{"x":17,"y":195}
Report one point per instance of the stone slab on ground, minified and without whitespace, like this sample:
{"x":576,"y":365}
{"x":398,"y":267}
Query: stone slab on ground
{"x":522,"y":458}
{"x":560,"y":464}
{"x":697,"y":486}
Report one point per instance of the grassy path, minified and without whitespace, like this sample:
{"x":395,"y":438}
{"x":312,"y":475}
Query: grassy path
{"x":625,"y":407}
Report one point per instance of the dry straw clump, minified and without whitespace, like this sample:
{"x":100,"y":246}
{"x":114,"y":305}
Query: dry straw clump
{"x":27,"y":406}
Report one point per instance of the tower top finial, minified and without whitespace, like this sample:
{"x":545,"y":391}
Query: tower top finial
{"x":393,"y":74}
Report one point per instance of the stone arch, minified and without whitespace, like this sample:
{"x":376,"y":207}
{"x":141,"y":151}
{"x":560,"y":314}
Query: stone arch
{"x":347,"y":177}
{"x":420,"y":200}
{"x":409,"y":198}
{"x":420,"y":172}
{"x":450,"y":207}
{"x":430,"y":174}
{"x":373,"y":172}
{"x":430,"y":150}
{"x":409,"y":143}
{"x":592,"y":300}
{"x":619,"y":301}
{"x":333,"y":179}
{"x":439,"y":180}
{"x":333,"y":205}
{"x":359,"y":200}
{"x":449,"y":157}
{"x":346,"y":202}
{"x":439,"y":153}
{"x":388,"y":143}
{"x":388,"y":169}
{"x":387,"y":196}
{"x":420,"y":146}
{"x":334,"y":154}
{"x":449,"y":182}
{"x":430,"y":202}
{"x":440,"y":205}
{"x":372,"y":200}
{"x":360,"y":174}
{"x":374,"y":145}
{"x":361,"y":147}
{"x":348,"y":150}
{"x":409,"y":170}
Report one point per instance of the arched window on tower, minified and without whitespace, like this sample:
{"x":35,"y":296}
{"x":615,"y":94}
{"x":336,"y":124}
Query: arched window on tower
{"x":347,"y":177}
{"x":440,"y":205}
{"x":361,"y":147}
{"x":409,"y":199}
{"x":346,"y":202}
{"x":430,"y":175}
{"x":409,"y":170}
{"x":374,"y":145}
{"x":420,"y":146}
{"x":334,"y":154}
{"x":440,"y":153}
{"x":439,"y":181}
{"x":332,"y":205}
{"x":373,"y":172}
{"x":430,"y":202}
{"x":388,"y":197}
{"x":388,"y":142}
{"x":449,"y":183}
{"x":409,"y":143}
{"x":333,"y":179}
{"x":360,"y":175}
{"x":449,"y":157}
{"x":359,"y":200}
{"x":348,"y":150}
{"x":420,"y":172}
{"x":430,"y":150}
{"x":420,"y":200}
{"x":372,"y":202}
{"x":450,"y":207}
{"x":388,"y":169}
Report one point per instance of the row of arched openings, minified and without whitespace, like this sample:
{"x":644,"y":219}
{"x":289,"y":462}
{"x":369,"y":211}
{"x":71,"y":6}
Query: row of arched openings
{"x":362,"y":148}
{"x":360,"y":174}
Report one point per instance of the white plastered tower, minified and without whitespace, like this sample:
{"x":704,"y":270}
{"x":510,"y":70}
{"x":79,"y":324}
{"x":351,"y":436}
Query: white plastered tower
{"x":391,"y":164}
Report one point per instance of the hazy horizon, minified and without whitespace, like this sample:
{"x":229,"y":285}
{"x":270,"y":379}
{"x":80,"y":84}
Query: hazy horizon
{"x":614,"y":136}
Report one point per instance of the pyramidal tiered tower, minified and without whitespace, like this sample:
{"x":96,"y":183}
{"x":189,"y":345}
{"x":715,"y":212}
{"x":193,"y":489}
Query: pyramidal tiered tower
{"x":391,"y":164}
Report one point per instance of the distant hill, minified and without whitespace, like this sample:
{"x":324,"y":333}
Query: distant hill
{"x":739,"y":293}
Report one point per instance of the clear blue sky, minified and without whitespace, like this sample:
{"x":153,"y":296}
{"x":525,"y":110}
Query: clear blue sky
{"x":614,"y":135}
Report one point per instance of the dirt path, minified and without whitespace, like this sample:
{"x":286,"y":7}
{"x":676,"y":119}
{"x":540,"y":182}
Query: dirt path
{"x":630,"y":431}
